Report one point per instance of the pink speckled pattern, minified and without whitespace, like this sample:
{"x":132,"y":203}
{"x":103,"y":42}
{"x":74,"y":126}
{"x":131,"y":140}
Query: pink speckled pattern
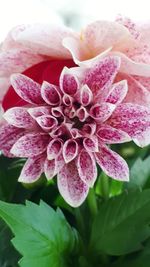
{"x":27,"y":45}
{"x":64,"y":130}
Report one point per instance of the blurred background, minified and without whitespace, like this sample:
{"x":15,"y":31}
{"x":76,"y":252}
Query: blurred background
{"x":75,"y":13}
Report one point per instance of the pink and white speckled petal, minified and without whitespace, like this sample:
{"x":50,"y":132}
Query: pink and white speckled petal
{"x":50,"y":169}
{"x":112,"y":164}
{"x":89,"y":129}
{"x":129,"y":24}
{"x":91,"y":143}
{"x":8,"y":136}
{"x":27,"y":89}
{"x":87,"y":169}
{"x":86,"y":95}
{"x":117,"y":92}
{"x":138,"y":90}
{"x":132,"y":119}
{"x":17,"y":60}
{"x":43,"y":40}
{"x":110,"y":135}
{"x":101,"y":35}
{"x":102,"y":74}
{"x":19,"y":117}
{"x":68,"y":82}
{"x":30,"y":145}
{"x":32,"y":169}
{"x":50,"y":94}
{"x":60,"y":162}
{"x":142,"y":139}
{"x":70,"y":185}
{"x":101,"y":112}
{"x":70,"y":150}
{"x":54,"y":148}
{"x":39,"y":111}
{"x":47,"y":122}
{"x":82,"y":114}
{"x":67,"y":100}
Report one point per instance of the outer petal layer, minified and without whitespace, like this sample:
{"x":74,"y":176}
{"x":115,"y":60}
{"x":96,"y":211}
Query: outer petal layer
{"x":27,"y":89}
{"x":87,"y":167}
{"x":112,"y":164}
{"x":70,"y":185}
{"x":132,"y":119}
{"x":30,"y":145}
{"x":32,"y":169}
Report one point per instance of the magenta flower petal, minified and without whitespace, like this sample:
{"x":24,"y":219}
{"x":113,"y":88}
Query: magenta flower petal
{"x":132,"y":119}
{"x":67,"y":100}
{"x":39,"y":111}
{"x":70,"y":150}
{"x":91,"y":143}
{"x":89,"y":129}
{"x":8,"y":136}
{"x":54,"y":148}
{"x":142,"y":139}
{"x":68,"y":82}
{"x":86,"y":95}
{"x":70,"y":185}
{"x":82,"y":114}
{"x":32,"y":169}
{"x":60,"y":162}
{"x":30,"y":145}
{"x":87,"y":167}
{"x":112,"y":164}
{"x":110,"y":135}
{"x":27,"y":89}
{"x":19,"y":117}
{"x":50,"y":94}
{"x":101,"y":112}
{"x":102,"y":74}
{"x":117,"y":92}
{"x":50,"y":169}
{"x":47,"y":122}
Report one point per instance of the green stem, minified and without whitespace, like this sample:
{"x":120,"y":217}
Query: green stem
{"x":104,"y":183}
{"x":79,"y":220}
{"x":92,"y":203}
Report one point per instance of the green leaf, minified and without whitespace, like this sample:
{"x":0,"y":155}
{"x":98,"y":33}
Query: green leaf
{"x":42,"y":235}
{"x":139,"y":173}
{"x":121,"y":224}
{"x":8,"y":255}
{"x":140,"y":259}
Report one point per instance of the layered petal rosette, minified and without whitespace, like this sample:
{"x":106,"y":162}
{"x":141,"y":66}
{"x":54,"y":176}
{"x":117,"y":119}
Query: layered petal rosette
{"x":65,"y":129}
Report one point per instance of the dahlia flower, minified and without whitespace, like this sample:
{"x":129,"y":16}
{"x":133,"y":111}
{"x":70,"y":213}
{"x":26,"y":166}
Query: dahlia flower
{"x":65,"y":129}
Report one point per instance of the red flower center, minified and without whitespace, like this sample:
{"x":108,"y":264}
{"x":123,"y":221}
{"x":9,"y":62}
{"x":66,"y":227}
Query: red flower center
{"x":45,"y":71}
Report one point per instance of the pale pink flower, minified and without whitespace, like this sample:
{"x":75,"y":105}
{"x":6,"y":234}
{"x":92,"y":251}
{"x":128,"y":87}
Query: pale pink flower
{"x":130,"y":41}
{"x":27,"y":45}
{"x":65,"y":130}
